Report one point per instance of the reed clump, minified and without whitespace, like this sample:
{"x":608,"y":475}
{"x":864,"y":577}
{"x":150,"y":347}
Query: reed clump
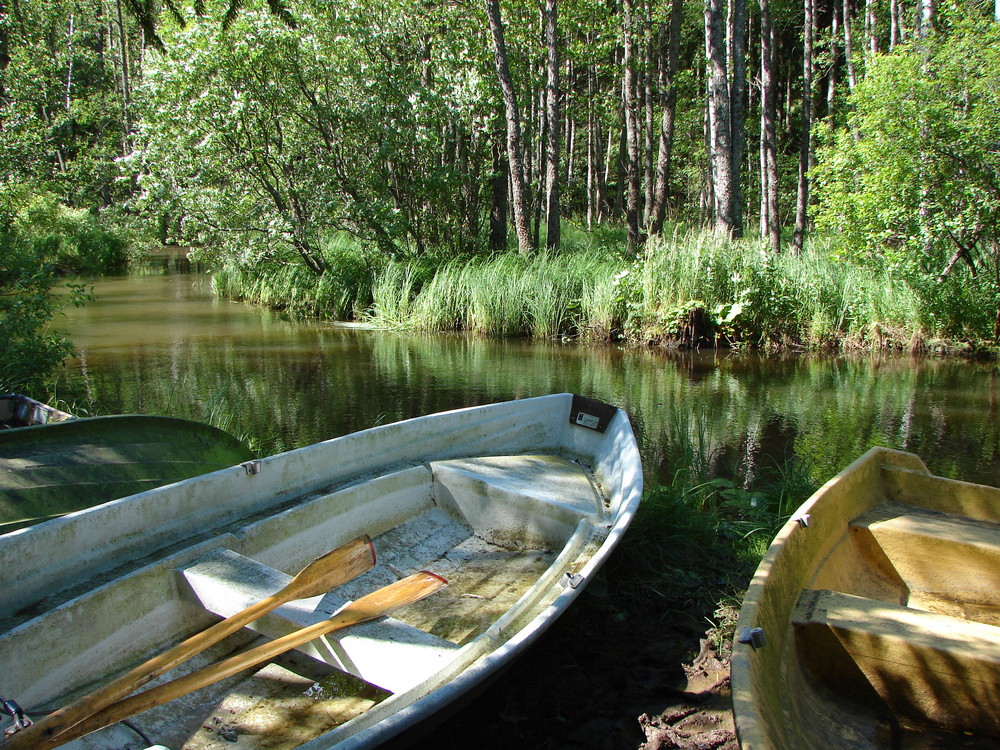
{"x":690,"y":289}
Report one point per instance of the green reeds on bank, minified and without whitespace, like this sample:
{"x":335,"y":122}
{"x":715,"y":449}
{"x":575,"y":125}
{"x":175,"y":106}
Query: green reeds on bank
{"x":689,"y":288}
{"x":283,"y":282}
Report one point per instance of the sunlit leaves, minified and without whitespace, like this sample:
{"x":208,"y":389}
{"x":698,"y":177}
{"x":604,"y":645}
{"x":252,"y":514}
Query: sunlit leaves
{"x":914,"y":178}
{"x":265,"y":133}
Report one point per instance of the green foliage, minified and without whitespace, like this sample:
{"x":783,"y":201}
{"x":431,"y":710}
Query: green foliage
{"x":758,"y":299}
{"x":29,"y":350}
{"x":263,"y":137}
{"x":70,"y":239}
{"x":738,"y":291}
{"x":279,"y":281}
{"x":63,"y":115}
{"x":911,"y":183}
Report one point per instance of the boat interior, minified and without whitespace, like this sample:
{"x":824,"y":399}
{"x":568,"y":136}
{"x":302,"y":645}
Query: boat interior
{"x":508,"y":533}
{"x":893,"y":634}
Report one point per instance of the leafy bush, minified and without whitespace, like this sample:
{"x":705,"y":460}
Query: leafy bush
{"x":911,"y":183}
{"x":29,"y":349}
{"x":70,"y":239}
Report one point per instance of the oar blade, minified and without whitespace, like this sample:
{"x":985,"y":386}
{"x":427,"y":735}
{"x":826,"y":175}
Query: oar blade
{"x":389,"y":598}
{"x":333,"y":569}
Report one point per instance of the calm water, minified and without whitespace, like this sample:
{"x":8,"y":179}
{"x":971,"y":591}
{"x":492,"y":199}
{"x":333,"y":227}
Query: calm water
{"x":162,"y":344}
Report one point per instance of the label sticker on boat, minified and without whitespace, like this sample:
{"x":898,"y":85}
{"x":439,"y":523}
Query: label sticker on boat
{"x":590,"y":413}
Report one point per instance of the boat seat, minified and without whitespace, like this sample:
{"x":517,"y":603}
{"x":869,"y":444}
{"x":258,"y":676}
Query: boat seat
{"x":950,"y":564}
{"x":924,"y":666}
{"x":522,"y":501}
{"x":386,"y":653}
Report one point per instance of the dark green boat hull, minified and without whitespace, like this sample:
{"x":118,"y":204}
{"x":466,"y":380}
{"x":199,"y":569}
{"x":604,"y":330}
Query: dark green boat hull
{"x":54,"y":469}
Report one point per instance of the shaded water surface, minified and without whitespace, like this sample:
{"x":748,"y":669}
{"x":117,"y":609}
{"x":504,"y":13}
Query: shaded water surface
{"x":162,"y":344}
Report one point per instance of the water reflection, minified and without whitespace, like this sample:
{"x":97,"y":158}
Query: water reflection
{"x":163,"y":345}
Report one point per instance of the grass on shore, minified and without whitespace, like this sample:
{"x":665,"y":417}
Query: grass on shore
{"x":692,"y":287}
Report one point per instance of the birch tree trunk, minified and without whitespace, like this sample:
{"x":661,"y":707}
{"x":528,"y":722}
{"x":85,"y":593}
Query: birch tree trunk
{"x":515,"y":152}
{"x":852,"y":78}
{"x":770,"y":227}
{"x":720,"y":126}
{"x":631,"y":129}
{"x":925,"y":18}
{"x":895,"y":36}
{"x":4,"y":57}
{"x":737,"y":91}
{"x":871,"y":29}
{"x":661,"y":189}
{"x":552,"y":116}
{"x":126,"y":81}
{"x":805,"y":141}
{"x":648,"y":98}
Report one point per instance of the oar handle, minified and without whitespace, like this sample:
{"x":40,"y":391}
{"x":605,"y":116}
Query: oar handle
{"x":377,"y":604}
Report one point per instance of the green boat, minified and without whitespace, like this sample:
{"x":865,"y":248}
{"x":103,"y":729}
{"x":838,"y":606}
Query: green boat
{"x":49,"y":470}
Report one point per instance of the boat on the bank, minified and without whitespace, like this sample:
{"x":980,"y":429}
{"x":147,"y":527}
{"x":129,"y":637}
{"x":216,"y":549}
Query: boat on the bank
{"x":516,"y":504}
{"x":18,"y":410}
{"x":57,"y":467}
{"x":873,"y":621}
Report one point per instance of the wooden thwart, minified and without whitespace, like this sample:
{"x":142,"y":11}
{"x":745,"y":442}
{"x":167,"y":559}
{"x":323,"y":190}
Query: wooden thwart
{"x":924,"y":666}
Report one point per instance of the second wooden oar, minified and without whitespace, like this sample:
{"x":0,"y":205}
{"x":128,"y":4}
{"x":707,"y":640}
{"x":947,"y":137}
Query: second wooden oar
{"x":323,"y":574}
{"x":369,"y":607}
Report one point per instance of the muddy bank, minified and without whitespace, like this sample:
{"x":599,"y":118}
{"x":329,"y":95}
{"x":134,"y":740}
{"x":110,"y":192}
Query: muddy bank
{"x":605,"y":679}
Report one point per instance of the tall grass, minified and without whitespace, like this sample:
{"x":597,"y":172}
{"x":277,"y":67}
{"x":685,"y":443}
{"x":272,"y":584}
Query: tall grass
{"x":282,"y":282}
{"x":769,"y":300}
{"x":748,"y":295}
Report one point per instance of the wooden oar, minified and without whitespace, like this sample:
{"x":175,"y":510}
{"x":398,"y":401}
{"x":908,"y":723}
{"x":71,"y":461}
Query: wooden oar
{"x":318,"y":577}
{"x":369,"y":607}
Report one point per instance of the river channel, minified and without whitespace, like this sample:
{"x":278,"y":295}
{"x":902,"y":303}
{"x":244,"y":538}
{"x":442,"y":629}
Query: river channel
{"x":162,"y":344}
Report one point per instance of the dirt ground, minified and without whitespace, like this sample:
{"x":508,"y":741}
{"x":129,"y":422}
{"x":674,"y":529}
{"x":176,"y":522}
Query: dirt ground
{"x":604,"y":680}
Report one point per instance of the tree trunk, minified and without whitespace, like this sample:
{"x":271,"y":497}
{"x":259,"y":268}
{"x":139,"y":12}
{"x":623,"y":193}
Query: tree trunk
{"x":552,"y":116}
{"x":648,"y":98}
{"x":925,"y":18}
{"x":836,"y":13}
{"x":737,"y":113}
{"x":591,"y":171}
{"x":805,"y":141}
{"x":126,"y":82}
{"x":500,"y":182}
{"x":852,"y":79}
{"x":4,"y":57}
{"x":631,"y":128}
{"x":871,"y":29}
{"x":770,"y":226}
{"x":515,"y":151}
{"x":895,"y":37}
{"x":661,"y":190}
{"x":720,"y":126}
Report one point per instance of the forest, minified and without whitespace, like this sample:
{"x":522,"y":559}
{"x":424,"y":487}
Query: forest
{"x":821,"y":173}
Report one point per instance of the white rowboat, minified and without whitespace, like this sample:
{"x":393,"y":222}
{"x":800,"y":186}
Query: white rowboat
{"x":516,"y":504}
